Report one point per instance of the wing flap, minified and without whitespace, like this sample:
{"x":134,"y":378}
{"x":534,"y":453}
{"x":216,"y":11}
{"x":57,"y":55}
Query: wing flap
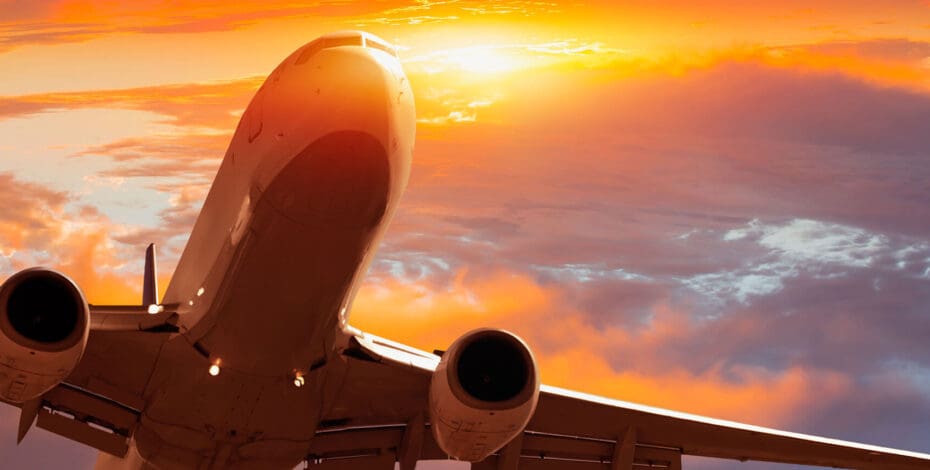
{"x":491,"y":463}
{"x":78,"y":431}
{"x":98,"y":404}
{"x":557,"y":452}
{"x":365,"y":446}
{"x":87,"y":418}
{"x":372,"y":462}
{"x":92,"y":407}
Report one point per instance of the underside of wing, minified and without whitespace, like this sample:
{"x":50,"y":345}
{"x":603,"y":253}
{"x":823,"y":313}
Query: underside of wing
{"x":99,"y":403}
{"x":76,"y":369}
{"x":577,"y":426}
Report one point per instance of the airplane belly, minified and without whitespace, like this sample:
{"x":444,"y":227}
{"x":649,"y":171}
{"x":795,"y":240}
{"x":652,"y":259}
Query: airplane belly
{"x":234,"y":420}
{"x":310,"y":233}
{"x":343,"y":103}
{"x":307,"y":241}
{"x":311,"y":178}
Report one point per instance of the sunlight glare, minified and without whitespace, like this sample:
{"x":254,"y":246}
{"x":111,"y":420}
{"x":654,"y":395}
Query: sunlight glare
{"x":482,"y":59}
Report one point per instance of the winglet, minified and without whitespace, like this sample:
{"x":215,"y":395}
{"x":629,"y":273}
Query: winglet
{"x":150,"y":280}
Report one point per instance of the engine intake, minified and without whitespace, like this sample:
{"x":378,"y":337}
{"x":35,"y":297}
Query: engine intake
{"x":45,"y":309}
{"x":482,"y":394}
{"x":493,"y":367}
{"x":44,"y":324}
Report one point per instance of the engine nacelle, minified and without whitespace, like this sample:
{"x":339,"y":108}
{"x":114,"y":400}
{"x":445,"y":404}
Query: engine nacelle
{"x":44,"y":323}
{"x":483,"y":394}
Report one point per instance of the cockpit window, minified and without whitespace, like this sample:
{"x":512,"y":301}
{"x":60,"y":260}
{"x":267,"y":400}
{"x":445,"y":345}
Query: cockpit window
{"x":326,"y":43}
{"x":376,"y":44}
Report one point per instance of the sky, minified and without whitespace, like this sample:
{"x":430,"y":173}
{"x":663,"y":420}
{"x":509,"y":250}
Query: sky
{"x":720,"y":208}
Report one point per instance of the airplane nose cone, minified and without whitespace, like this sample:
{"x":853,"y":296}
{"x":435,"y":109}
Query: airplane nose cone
{"x":348,"y":89}
{"x":342,"y":178}
{"x":341,"y":172}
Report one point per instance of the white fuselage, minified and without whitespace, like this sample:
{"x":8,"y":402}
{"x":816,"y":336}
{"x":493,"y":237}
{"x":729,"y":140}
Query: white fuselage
{"x":304,"y":193}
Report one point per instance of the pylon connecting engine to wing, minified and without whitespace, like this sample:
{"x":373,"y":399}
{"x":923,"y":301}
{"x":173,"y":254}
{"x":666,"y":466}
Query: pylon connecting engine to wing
{"x":44,"y":323}
{"x":483,"y":393}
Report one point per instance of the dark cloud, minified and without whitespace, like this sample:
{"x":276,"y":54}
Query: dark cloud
{"x":619,"y":195}
{"x":739,"y":100}
{"x":596,"y":179}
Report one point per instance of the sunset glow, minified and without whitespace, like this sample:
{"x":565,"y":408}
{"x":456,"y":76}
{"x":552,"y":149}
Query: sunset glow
{"x":718,"y":207}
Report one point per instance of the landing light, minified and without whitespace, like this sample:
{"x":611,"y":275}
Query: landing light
{"x":155,"y":309}
{"x":298,"y":380}
{"x":214,"y":370}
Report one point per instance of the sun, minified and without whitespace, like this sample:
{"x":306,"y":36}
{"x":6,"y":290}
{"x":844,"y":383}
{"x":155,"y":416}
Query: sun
{"x":484,"y":60}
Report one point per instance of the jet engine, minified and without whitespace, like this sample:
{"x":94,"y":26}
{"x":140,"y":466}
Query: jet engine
{"x":44,"y":323}
{"x":482,"y":394}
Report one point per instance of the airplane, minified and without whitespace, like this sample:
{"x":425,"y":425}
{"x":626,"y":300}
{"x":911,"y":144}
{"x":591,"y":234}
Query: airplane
{"x":249,"y":362}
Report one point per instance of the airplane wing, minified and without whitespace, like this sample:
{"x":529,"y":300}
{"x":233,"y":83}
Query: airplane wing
{"x":100,"y":402}
{"x":590,"y":420}
{"x":568,"y":431}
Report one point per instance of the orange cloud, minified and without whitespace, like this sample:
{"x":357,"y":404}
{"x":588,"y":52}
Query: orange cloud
{"x":38,"y":229}
{"x":215,"y":105}
{"x":58,"y":21}
{"x":30,"y":211}
{"x":895,"y":62}
{"x":87,"y":256}
{"x":576,"y":164}
{"x":572,"y":353}
{"x":756,"y":396}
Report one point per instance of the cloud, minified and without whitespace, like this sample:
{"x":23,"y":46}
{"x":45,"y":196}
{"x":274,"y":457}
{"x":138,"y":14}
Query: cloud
{"x":432,"y":316}
{"x":682,"y":232}
{"x":17,"y":10}
{"x":214,"y":105}
{"x":29,"y":212}
{"x":177,"y":160}
{"x":815,"y":248}
{"x":741,"y":239}
{"x":428,"y":11}
{"x":172,"y":227}
{"x":43,"y":227}
{"x":885,"y":61}
{"x":887,"y":49}
{"x":59,"y":21}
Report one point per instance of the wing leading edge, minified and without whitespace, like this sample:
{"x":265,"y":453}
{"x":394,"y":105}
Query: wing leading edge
{"x":591,"y":417}
{"x":573,"y":430}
